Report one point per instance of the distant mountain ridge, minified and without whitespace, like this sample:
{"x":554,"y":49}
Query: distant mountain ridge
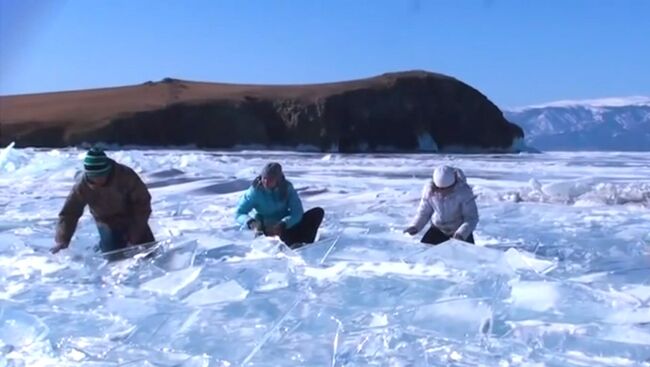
{"x":599,"y":124}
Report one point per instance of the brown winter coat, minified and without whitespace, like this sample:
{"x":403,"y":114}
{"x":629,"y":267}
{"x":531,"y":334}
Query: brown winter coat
{"x":124,"y":204}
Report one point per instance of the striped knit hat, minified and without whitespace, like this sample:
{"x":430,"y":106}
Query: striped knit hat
{"x":96,"y":163}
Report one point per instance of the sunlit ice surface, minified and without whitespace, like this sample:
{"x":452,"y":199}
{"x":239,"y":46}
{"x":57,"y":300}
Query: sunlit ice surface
{"x":560,"y":275}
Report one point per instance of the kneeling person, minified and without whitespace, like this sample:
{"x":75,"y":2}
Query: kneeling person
{"x":119,"y":202}
{"x":449,"y":203}
{"x":278,"y":208}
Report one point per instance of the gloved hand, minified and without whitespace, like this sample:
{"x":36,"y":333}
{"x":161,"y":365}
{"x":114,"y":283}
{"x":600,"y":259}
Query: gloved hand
{"x":411,"y":230}
{"x":58,"y":247}
{"x":256,"y":226}
{"x":253,"y":224}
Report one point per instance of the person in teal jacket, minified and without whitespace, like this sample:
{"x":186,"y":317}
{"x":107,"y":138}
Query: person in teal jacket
{"x":272,"y":207}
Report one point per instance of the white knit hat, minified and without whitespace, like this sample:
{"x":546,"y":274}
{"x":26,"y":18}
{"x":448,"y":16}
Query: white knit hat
{"x":444,"y":176}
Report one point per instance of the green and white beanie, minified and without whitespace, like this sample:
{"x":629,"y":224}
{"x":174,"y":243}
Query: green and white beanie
{"x":96,"y":163}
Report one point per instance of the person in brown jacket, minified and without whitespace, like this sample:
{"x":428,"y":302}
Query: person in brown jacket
{"x":118,"y":200}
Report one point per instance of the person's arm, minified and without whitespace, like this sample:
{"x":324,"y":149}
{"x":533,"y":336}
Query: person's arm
{"x":140,"y":200}
{"x":69,"y":215}
{"x":295,"y":208}
{"x":470,"y":217}
{"x":246,"y":204}
{"x":425,"y":210}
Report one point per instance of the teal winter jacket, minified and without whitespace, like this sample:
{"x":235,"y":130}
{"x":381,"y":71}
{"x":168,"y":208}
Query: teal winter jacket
{"x":280,"y":204}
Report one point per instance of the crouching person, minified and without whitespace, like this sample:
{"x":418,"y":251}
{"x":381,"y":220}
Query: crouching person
{"x":278,"y":209}
{"x":449,"y":203}
{"x":118,"y":200}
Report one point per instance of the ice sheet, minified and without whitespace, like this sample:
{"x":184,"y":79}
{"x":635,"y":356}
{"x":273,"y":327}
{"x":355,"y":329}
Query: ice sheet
{"x":559,"y":276}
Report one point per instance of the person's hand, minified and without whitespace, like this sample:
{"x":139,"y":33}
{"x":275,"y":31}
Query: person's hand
{"x":58,"y":247}
{"x":277,"y":229}
{"x":411,"y":230}
{"x":255,"y":225}
{"x":458,"y":236}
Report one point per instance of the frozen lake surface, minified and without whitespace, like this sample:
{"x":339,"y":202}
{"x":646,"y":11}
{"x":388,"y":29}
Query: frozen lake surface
{"x":560,"y":275}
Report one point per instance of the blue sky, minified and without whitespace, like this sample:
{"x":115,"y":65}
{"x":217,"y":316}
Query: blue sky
{"x":515,"y":52}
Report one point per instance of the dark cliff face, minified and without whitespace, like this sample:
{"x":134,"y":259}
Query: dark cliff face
{"x":389,"y":112}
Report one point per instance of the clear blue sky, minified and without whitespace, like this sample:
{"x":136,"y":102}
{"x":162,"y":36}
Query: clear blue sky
{"x":516,"y":52}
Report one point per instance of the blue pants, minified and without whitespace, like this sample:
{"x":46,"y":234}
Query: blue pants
{"x":111,"y":239}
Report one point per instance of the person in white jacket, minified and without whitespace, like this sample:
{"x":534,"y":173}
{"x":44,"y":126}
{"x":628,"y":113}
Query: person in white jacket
{"x":450,"y":204}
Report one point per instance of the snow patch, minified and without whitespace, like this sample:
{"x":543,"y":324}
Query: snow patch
{"x":599,"y":102}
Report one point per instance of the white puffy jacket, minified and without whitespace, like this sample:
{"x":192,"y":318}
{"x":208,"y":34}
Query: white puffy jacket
{"x":453,"y":213}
